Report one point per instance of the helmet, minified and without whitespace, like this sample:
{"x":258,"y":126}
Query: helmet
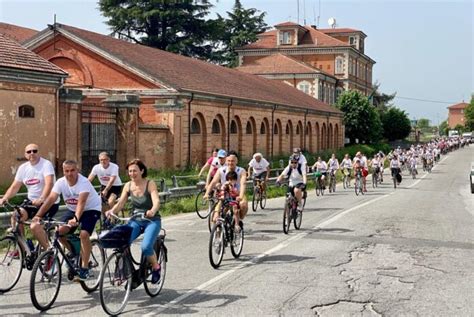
{"x":222,"y":154}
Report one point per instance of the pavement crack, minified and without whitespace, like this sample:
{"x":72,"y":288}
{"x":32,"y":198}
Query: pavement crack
{"x":430,"y":268}
{"x":291,"y":298}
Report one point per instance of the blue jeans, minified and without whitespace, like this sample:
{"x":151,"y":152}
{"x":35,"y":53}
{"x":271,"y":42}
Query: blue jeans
{"x":150,"y":230}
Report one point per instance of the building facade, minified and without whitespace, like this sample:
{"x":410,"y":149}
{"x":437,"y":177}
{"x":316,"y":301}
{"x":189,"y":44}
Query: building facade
{"x":319,"y":62}
{"x":170,"y":110}
{"x":456,"y":114}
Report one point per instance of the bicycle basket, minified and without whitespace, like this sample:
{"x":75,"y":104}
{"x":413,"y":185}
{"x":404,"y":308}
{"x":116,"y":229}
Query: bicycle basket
{"x":201,"y":185}
{"x":118,"y":237}
{"x":317,"y":174}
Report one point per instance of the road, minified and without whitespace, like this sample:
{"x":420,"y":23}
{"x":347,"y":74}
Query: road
{"x":408,"y":251}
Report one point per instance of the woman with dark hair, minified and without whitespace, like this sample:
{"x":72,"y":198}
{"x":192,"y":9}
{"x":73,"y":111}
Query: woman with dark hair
{"x":144,"y":197}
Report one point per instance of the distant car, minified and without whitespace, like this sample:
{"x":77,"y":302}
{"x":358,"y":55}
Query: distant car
{"x":472,"y":178}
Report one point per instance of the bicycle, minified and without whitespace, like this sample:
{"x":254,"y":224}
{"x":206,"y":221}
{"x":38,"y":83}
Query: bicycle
{"x":119,"y":275}
{"x":259,"y":195}
{"x":413,"y":172}
{"x":291,"y":211}
{"x":16,"y":252}
{"x":375,"y":178}
{"x":346,"y":180}
{"x":395,"y":173}
{"x":319,"y":184}
{"x":359,"y":185}
{"x":223,"y":234}
{"x":46,"y":275}
{"x":332,"y":181}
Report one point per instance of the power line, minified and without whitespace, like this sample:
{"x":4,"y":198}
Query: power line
{"x":427,"y":100}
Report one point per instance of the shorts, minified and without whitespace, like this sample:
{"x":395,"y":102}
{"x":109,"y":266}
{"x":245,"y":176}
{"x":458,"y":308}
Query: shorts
{"x":88,"y":219}
{"x":262,"y":175}
{"x":32,"y":210}
{"x":117,"y":190}
{"x":291,"y":189}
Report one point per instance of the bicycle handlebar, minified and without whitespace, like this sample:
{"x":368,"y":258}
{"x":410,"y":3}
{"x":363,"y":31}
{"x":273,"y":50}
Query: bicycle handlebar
{"x":140,"y":215}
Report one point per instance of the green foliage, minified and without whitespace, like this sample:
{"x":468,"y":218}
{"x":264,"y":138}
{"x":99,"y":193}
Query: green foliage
{"x":381,"y":101}
{"x":444,"y":128}
{"x":175,"y":26}
{"x":460,"y":128}
{"x":396,"y":124}
{"x":423,"y":124}
{"x":469,"y":116}
{"x":240,"y":28}
{"x":361,"y":119}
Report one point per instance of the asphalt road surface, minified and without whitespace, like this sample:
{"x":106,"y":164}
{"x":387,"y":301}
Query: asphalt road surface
{"x":407,"y":251}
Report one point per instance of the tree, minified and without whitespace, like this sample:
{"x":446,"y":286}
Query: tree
{"x":175,"y":26}
{"x":380,"y":100}
{"x":469,"y":115}
{"x":460,"y":128}
{"x":396,"y":124}
{"x":423,"y":124}
{"x":444,"y":128}
{"x":241,"y":28}
{"x":361,"y":119}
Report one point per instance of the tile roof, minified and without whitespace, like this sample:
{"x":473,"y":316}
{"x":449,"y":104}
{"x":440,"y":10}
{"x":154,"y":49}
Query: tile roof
{"x":279,"y":64}
{"x":193,"y":75}
{"x":339,"y":30}
{"x":461,"y":105}
{"x":16,"y":33}
{"x":311,"y":38}
{"x":13,"y":55}
{"x":288,"y":23}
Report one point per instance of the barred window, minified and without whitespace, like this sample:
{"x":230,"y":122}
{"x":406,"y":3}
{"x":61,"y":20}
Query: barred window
{"x":26,"y":111}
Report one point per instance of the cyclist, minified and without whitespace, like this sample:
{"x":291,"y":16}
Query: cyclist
{"x":38,"y":176}
{"x":376,"y":163}
{"x":144,"y":197}
{"x":83,"y":206}
{"x":321,"y":166}
{"x":301,"y":158}
{"x":220,"y":177}
{"x":229,"y":190}
{"x":346,"y":165}
{"x":333,"y":164}
{"x":360,"y":163}
{"x":110,"y":182}
{"x":297,"y":179}
{"x":209,"y":161}
{"x":261,"y":170}
{"x":395,"y":166}
{"x":216,"y":163}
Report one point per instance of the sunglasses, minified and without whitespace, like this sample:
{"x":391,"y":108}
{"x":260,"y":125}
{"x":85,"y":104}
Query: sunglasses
{"x":294,"y":162}
{"x":32,"y":151}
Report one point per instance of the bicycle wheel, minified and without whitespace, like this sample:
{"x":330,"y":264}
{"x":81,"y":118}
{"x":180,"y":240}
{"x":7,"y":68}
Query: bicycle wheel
{"x":316,"y":186}
{"x":200,"y":205}
{"x":334,"y":184}
{"x":374,"y":180}
{"x":344,"y":182}
{"x":321,"y":189}
{"x":11,"y":263}
{"x":96,"y":261}
{"x":394,"y":182}
{"x":263,"y":200}
{"x":216,"y":245}
{"x":356,"y":187}
{"x":237,"y":243}
{"x":286,"y":219}
{"x":255,"y":199}
{"x":45,"y":280}
{"x":298,"y":219}
{"x":361,"y":186}
{"x":115,"y":283}
{"x":154,"y":289}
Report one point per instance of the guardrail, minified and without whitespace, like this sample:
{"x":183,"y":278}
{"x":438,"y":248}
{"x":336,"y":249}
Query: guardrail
{"x":165,"y":193}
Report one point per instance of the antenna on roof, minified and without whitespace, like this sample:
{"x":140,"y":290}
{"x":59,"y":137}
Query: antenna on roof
{"x":54,"y":33}
{"x":298,"y":11}
{"x":319,"y":13}
{"x":304,"y":12}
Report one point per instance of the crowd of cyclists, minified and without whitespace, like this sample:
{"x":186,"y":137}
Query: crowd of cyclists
{"x":225,"y":181}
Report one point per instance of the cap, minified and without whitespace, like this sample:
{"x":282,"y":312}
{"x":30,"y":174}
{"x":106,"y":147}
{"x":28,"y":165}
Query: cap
{"x":221,"y":154}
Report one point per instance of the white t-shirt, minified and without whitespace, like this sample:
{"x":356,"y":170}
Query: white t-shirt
{"x":333,"y":164}
{"x":346,"y":163}
{"x":104,"y":174}
{"x":224,"y":170}
{"x":33,"y":177}
{"x":259,"y":167}
{"x":71,"y":193}
{"x":322,"y":167}
{"x":295,"y":177}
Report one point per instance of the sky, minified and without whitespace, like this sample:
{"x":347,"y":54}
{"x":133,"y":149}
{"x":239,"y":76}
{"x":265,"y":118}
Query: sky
{"x":423,"y":49}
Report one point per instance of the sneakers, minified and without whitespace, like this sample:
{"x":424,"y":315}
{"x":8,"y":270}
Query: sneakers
{"x":155,"y":275}
{"x":15,"y":254}
{"x":82,"y":276}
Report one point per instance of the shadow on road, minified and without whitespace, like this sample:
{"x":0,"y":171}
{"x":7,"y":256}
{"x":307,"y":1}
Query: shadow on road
{"x":336,"y":230}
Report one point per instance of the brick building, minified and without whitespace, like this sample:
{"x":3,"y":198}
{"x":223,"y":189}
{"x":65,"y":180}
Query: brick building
{"x":456,"y":114}
{"x":29,"y":88}
{"x":319,"y":62}
{"x":170,"y":110}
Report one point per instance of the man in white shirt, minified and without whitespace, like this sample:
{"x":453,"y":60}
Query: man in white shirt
{"x":297,"y":179}
{"x":83,"y":206}
{"x":38,"y":176}
{"x":110,"y":182}
{"x":260,"y":168}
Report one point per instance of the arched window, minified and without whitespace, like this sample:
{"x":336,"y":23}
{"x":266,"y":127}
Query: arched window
{"x":275,"y":129}
{"x":339,"y":65}
{"x":262,"y":128}
{"x":216,"y":128}
{"x":233,"y":127}
{"x":195,"y":126}
{"x":287,"y":128}
{"x":26,"y":111}
{"x":297,"y":129}
{"x":248,"y":128}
